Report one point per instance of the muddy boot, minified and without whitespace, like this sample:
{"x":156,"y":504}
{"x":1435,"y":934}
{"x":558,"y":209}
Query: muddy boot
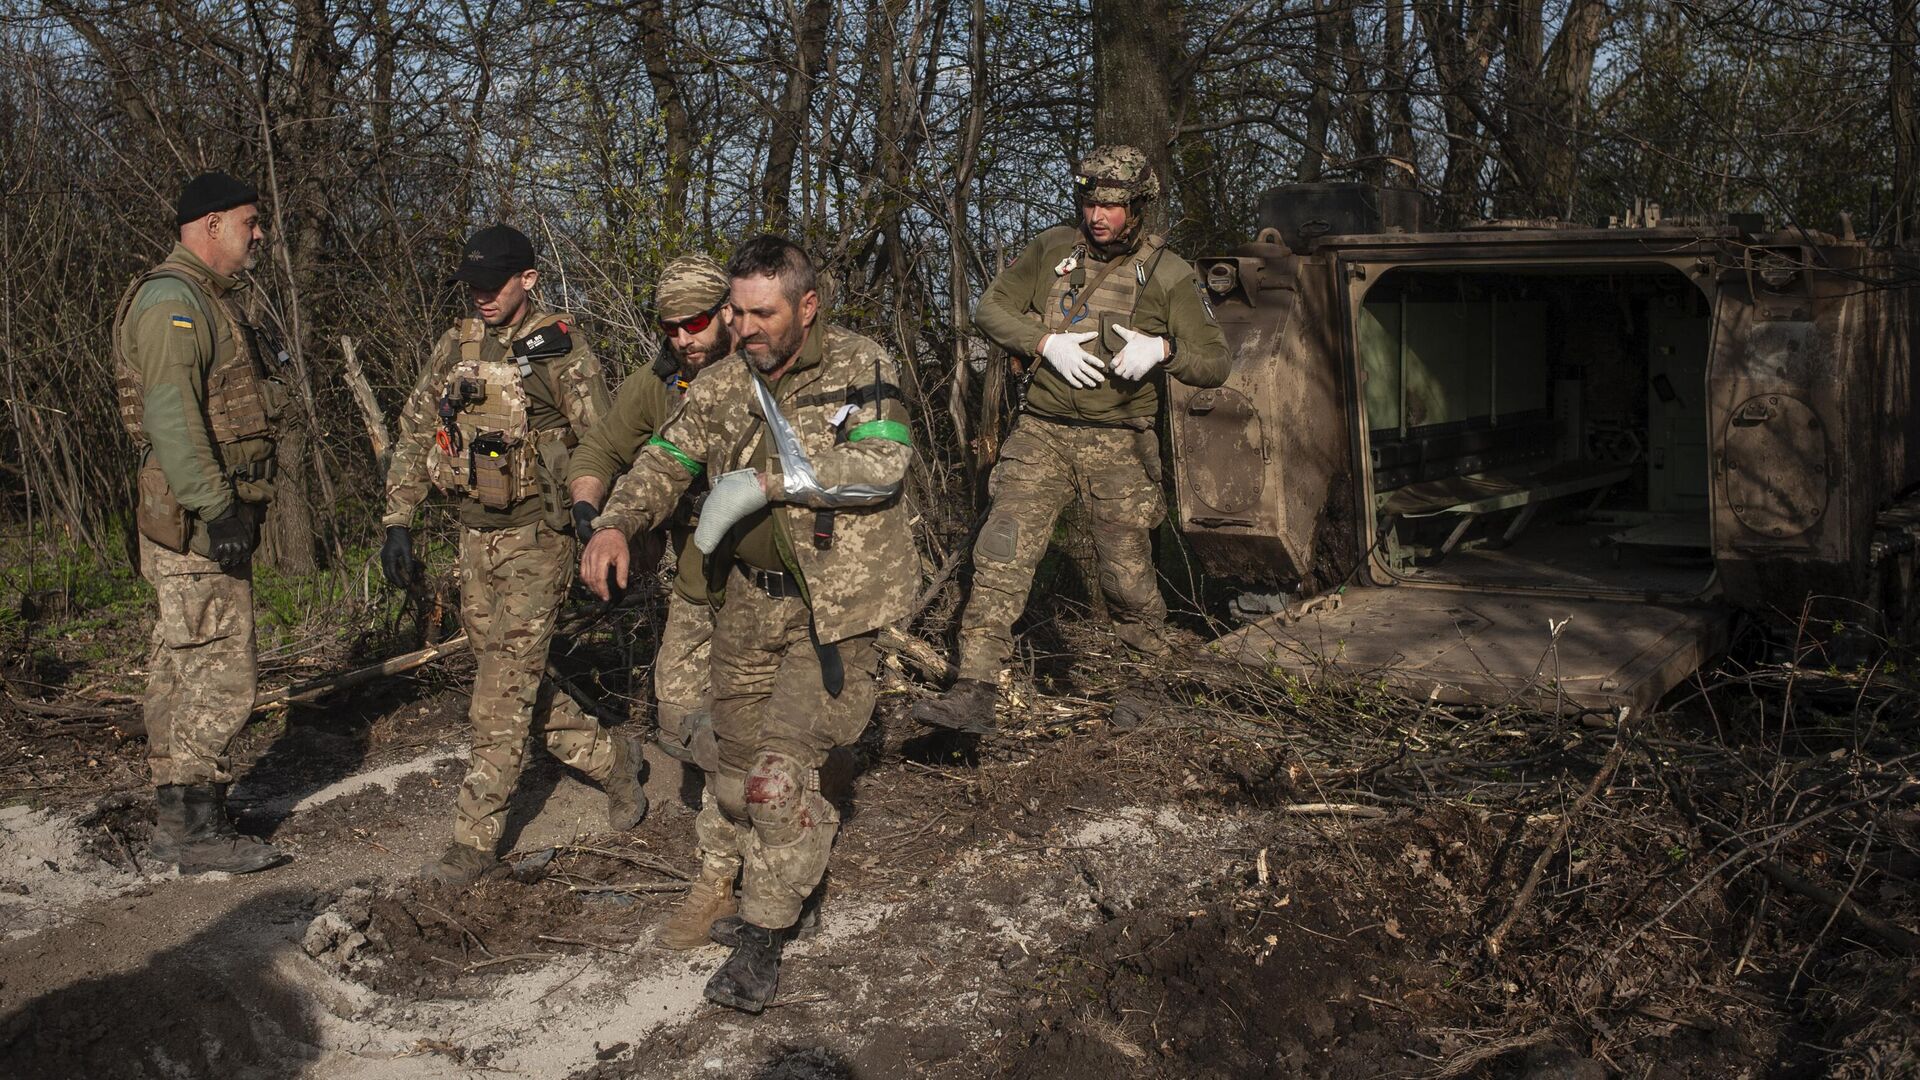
{"x":169,"y":823}
{"x":710,"y":899}
{"x":626,"y":801}
{"x":749,"y":977}
{"x":461,"y":866}
{"x":967,"y":706}
{"x":208,"y":841}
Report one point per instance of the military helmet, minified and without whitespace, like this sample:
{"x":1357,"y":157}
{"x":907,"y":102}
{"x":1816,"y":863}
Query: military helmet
{"x":689,"y":285}
{"x":1114,"y":174}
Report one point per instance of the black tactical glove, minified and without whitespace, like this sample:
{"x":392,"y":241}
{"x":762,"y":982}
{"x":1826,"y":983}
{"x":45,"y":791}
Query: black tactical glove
{"x":230,"y":538}
{"x":583,"y":514}
{"x":396,"y":557}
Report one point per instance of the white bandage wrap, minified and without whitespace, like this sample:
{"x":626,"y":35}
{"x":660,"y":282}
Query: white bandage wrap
{"x":799,"y":483}
{"x":735,"y":496}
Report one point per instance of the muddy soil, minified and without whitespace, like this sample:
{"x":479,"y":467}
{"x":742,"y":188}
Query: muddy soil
{"x":1076,"y":901}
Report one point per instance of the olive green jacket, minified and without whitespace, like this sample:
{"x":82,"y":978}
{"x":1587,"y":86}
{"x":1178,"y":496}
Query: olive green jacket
{"x":174,"y":336}
{"x":1010,"y":314}
{"x":640,"y":407}
{"x":566,"y":392}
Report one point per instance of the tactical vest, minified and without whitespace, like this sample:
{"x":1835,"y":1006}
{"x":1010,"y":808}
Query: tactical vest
{"x":1079,"y":301}
{"x":486,"y":448}
{"x":243,"y":403}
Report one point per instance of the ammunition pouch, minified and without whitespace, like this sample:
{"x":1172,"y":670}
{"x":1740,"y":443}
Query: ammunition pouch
{"x":159,"y":516}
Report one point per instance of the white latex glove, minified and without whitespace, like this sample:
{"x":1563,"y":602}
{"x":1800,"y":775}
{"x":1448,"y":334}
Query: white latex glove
{"x":734,"y":496}
{"x":1076,"y":365}
{"x":1143,"y":353}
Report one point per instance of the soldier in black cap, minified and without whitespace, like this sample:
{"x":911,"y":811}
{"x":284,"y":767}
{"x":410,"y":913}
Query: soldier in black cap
{"x":202,"y":402}
{"x":504,"y":398}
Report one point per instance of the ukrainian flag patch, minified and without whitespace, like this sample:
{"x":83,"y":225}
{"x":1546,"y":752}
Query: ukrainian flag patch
{"x":182,"y":322}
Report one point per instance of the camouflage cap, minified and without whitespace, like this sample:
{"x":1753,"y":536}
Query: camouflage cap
{"x":689,"y":285}
{"x":1114,"y":174}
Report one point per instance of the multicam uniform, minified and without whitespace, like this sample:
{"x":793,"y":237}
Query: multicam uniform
{"x":800,"y":594}
{"x":493,"y":420}
{"x":680,"y":665}
{"x":1097,"y":444}
{"x":196,"y":398}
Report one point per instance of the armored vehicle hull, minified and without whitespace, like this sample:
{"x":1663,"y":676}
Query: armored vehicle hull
{"x":1547,"y":462}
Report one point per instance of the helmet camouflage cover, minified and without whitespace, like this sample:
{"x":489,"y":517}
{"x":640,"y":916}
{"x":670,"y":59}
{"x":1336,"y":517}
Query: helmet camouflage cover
{"x":689,"y":285}
{"x":1114,"y":174}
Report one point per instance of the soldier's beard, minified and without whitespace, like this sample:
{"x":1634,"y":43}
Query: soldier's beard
{"x":695,"y":357}
{"x":777,"y":351}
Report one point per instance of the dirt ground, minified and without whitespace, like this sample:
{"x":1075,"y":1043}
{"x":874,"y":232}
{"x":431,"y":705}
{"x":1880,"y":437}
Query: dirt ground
{"x":1201,"y":882}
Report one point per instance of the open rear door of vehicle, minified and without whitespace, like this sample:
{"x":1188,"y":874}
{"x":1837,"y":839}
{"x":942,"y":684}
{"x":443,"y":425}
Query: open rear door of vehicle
{"x":1487,"y":648}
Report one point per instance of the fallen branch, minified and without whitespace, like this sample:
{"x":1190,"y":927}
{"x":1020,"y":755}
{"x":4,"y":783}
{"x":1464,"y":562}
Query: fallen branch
{"x":1351,"y":809}
{"x":317,"y":688}
{"x":1527,"y":889}
{"x":916,"y":652}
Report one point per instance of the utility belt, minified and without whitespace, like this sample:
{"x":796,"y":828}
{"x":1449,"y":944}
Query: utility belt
{"x":1132,"y":423}
{"x":775,"y":583}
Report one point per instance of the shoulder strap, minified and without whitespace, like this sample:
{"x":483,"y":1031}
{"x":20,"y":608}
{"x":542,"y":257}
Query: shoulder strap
{"x":1149,"y":266}
{"x":1080,"y":306}
{"x":472,"y":332}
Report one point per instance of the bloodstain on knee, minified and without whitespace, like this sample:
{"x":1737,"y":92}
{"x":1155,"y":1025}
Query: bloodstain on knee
{"x":764,"y":788}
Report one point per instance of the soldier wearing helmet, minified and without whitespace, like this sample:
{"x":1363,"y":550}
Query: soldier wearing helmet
{"x":1104,"y":313}
{"x":690,"y":309}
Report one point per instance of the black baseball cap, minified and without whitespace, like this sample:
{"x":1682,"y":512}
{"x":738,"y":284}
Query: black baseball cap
{"x":493,"y":255}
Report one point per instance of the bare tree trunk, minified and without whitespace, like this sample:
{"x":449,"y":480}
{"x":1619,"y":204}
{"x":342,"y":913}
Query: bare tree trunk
{"x":1906,"y":125}
{"x":960,"y":290}
{"x":1459,"y":35}
{"x":1406,"y":160}
{"x":790,"y":121}
{"x":1363,"y":135}
{"x":1313,"y":156}
{"x":1133,"y":64}
{"x":656,"y":51}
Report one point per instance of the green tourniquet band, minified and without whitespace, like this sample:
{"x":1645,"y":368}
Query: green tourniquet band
{"x":676,"y":454}
{"x":892,"y":430}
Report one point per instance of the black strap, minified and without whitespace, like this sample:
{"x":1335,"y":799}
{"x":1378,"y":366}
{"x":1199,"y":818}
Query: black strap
{"x":822,"y":529}
{"x":859,"y":396}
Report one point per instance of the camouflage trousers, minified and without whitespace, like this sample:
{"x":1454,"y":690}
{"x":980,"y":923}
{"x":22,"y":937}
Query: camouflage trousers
{"x":682,"y":666}
{"x":512,"y":582}
{"x":781,"y":704}
{"x":203,"y":669}
{"x":1115,"y":472}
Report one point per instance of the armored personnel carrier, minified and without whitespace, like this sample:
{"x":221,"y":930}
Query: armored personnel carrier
{"x":1544,"y":461}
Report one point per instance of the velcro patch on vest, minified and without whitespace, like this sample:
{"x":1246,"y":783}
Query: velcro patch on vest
{"x":182,"y":322}
{"x":544,"y":343}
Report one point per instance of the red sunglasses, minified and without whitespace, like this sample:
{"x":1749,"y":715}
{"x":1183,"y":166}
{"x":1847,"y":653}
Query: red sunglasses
{"x":692,"y":324}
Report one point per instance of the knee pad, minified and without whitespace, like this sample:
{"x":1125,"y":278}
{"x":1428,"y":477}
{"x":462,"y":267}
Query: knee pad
{"x":783,"y":798}
{"x":999,"y":539}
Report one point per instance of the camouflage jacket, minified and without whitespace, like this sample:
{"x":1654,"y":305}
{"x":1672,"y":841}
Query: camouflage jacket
{"x":1020,"y":308}
{"x":566,"y":392}
{"x":866,"y":578}
{"x":640,"y":407}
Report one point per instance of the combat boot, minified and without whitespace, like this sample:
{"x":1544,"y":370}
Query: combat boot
{"x":709,"y":900}
{"x":461,"y":866}
{"x":169,"y":822}
{"x":749,"y":977}
{"x":206,"y":840}
{"x":966,"y":707}
{"x":626,"y":801}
